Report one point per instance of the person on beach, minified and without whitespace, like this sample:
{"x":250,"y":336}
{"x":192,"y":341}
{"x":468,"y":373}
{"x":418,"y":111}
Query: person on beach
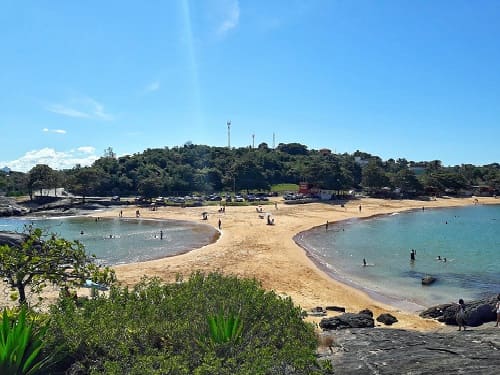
{"x":326,"y":225}
{"x":460,"y":316}
{"x":220,"y":224}
{"x":359,"y":208}
{"x":497,"y":308}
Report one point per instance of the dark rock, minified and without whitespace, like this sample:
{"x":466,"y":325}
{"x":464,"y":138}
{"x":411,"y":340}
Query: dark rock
{"x":335,"y":308}
{"x":366,"y":312}
{"x":9,"y":207}
{"x":347,"y":320}
{"x":12,"y":239}
{"x":395,"y":351}
{"x":387,"y":319}
{"x":428,"y":280}
{"x":476,"y":312}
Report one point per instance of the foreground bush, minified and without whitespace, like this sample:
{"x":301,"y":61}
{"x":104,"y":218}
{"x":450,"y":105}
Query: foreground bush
{"x":20,"y":344}
{"x":160,"y":328}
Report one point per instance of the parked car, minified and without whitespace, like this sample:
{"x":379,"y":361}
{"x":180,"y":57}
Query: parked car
{"x":238,"y":199}
{"x":115,"y":198}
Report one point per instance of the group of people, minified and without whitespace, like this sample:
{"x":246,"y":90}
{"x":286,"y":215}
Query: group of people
{"x":413,"y":254}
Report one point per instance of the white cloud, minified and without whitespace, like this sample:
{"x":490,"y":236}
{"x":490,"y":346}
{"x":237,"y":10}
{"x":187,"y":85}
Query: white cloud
{"x":57,"y":131}
{"x":65,"y":111}
{"x":85,"y":107}
{"x":84,"y":156}
{"x":153,"y":86}
{"x":86,"y":149}
{"x":231,"y":17}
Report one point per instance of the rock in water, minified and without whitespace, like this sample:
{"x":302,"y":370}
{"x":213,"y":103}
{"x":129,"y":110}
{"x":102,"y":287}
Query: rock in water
{"x":428,"y":280}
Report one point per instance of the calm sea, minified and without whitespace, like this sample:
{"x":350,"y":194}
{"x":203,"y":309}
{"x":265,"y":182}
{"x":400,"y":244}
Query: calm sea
{"x":468,"y":237}
{"x":115,"y":241}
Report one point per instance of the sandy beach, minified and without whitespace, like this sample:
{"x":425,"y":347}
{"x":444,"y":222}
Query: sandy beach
{"x":248,"y":247}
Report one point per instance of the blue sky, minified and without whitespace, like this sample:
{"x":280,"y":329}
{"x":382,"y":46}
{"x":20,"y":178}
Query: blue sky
{"x":413,"y":79}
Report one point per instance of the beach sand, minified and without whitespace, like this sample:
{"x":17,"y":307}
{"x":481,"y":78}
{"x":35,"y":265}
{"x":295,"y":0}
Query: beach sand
{"x":248,"y":247}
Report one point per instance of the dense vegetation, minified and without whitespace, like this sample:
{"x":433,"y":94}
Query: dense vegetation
{"x":192,"y":168}
{"x":160,"y":328}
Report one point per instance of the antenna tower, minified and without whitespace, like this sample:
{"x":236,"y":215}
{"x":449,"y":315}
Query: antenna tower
{"x":229,"y":134}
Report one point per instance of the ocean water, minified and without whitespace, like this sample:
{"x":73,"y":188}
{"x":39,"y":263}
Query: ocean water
{"x":115,"y":241}
{"x":468,"y":237}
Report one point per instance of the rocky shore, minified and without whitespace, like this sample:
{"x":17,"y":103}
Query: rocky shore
{"x":50,"y":206}
{"x":354,"y":346}
{"x":363,"y":351}
{"x":9,"y":207}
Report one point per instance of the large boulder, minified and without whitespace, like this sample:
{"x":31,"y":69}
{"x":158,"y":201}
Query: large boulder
{"x":347,"y":320}
{"x":387,"y":319}
{"x":12,"y":239}
{"x":428,"y":280}
{"x":476,"y":312}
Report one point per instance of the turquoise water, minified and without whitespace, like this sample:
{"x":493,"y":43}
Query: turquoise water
{"x":132,"y":240}
{"x":468,"y":237}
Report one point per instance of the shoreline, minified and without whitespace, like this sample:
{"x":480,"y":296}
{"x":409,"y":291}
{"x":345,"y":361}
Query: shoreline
{"x":247,"y":247}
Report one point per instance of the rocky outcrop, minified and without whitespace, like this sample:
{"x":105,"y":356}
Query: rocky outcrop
{"x":12,"y":239}
{"x":387,"y":319}
{"x":476,"y":312}
{"x":347,"y":320}
{"x":394,"y":351}
{"x":9,"y":207}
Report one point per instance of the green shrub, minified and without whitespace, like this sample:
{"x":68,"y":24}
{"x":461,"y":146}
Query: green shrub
{"x":20,"y":345}
{"x":158,"y":328}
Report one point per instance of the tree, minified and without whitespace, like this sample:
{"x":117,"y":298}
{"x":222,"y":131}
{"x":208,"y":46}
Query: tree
{"x":150,"y":187}
{"x":374,"y":176}
{"x":84,"y":181}
{"x":39,"y":177}
{"x":52,"y":259}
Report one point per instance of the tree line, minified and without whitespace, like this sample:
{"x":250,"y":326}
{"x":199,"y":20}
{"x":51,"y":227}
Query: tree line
{"x":206,"y":169}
